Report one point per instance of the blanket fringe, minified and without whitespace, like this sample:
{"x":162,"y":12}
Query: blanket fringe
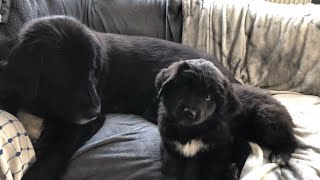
{"x":290,"y":1}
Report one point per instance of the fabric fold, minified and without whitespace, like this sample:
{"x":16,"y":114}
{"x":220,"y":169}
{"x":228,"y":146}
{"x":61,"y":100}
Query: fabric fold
{"x":264,"y":44}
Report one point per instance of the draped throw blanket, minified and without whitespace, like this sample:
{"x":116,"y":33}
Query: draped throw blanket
{"x":290,"y":1}
{"x":269,"y":45}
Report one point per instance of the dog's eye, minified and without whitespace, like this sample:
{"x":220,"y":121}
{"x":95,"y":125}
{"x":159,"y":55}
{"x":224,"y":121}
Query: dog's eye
{"x":208,"y":97}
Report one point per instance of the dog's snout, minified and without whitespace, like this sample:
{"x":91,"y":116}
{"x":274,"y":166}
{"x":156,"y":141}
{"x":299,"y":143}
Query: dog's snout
{"x":190,"y":113}
{"x":93,"y":112}
{"x":91,"y":115}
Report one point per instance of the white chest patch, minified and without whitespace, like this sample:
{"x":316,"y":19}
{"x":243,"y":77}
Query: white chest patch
{"x":191,"y":148}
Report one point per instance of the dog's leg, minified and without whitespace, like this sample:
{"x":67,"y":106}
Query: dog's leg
{"x":170,"y":165}
{"x":273,"y":128}
{"x":63,"y":141}
{"x":265,"y":121}
{"x":241,"y":149}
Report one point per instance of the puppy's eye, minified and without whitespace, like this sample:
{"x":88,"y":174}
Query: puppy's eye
{"x":208,"y":97}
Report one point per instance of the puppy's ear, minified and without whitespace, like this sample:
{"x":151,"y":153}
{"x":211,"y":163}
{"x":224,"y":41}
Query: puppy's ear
{"x":22,"y":71}
{"x":232,"y":104}
{"x":166,"y":76}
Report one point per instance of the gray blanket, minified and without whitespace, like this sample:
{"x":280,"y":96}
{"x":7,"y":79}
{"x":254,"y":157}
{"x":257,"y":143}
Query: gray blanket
{"x":271,"y":46}
{"x":4,"y":10}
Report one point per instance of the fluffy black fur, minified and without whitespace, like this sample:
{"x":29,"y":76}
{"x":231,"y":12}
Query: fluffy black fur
{"x":198,"y":103}
{"x":265,"y":121}
{"x":67,"y":74}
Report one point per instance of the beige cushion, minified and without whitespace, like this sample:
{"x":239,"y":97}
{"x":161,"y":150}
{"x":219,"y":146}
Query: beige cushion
{"x":16,"y":150}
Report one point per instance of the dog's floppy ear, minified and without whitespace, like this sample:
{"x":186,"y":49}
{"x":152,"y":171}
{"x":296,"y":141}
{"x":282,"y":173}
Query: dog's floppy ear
{"x":232,"y":104}
{"x":167,"y":75}
{"x":21,"y":73}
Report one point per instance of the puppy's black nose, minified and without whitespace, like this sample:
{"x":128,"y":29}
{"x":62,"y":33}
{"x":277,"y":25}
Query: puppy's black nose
{"x":190,"y":113}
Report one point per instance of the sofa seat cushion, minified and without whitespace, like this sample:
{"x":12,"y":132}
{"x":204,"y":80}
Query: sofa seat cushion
{"x":126,"y":147}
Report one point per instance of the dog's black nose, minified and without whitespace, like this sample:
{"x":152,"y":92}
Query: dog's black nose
{"x":190,"y":113}
{"x":91,"y":115}
{"x":92,"y":112}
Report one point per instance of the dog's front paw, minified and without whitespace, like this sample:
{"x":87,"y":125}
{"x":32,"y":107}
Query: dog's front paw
{"x":279,"y":157}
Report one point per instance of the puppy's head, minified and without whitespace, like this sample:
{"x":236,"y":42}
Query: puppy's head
{"x":194,"y":91}
{"x":54,"y":69}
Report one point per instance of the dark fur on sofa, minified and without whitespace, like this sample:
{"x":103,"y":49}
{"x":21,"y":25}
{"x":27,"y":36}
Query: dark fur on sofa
{"x":64,"y":72}
{"x":204,"y":122}
{"x":266,"y":121}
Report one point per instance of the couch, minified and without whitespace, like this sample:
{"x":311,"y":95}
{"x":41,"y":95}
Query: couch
{"x":267,"y":45}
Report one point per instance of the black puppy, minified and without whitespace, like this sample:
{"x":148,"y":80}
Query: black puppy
{"x":67,"y":74}
{"x":203,"y":125}
{"x":197,"y":105}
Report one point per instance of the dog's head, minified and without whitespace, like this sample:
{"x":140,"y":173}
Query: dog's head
{"x":194,"y":91}
{"x":54,"y":68}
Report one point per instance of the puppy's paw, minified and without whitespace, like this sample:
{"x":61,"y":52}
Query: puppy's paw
{"x":280,"y":158}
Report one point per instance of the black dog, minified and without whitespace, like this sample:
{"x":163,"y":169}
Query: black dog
{"x":67,"y":74}
{"x":204,"y":123}
{"x":197,"y":105}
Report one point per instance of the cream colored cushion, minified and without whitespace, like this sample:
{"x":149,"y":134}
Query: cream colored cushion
{"x":16,"y":150}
